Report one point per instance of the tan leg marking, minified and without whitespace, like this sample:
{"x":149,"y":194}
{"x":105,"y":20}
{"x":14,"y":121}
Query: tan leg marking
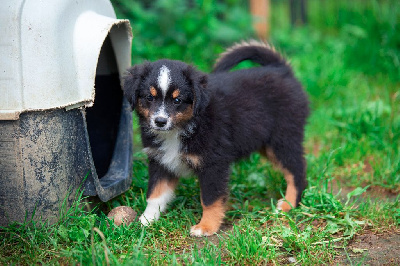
{"x":194,"y":160}
{"x":157,"y":202}
{"x":291,"y":191}
{"x":162,"y":186}
{"x":271,"y":156}
{"x":211,"y":220}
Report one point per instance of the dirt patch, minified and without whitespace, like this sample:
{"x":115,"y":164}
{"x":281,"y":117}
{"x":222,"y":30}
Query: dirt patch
{"x":373,"y":192}
{"x":215,"y":239}
{"x":369,"y":248}
{"x":372,"y":249}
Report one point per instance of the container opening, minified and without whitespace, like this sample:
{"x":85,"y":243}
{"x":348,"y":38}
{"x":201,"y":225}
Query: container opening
{"x":103,"y":117}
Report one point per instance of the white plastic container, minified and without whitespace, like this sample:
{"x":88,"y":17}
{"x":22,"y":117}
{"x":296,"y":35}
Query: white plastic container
{"x":49,"y":52}
{"x":63,"y":120}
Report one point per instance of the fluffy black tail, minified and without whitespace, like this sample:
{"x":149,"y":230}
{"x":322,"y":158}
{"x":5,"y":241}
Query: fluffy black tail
{"x":255,"y":51}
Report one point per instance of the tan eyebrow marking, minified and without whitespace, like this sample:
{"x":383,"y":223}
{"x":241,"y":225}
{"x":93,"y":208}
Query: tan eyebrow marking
{"x":153,"y":91}
{"x":175,"y":93}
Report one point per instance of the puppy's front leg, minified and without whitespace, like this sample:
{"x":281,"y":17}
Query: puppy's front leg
{"x":160,"y":192}
{"x":214,"y":191}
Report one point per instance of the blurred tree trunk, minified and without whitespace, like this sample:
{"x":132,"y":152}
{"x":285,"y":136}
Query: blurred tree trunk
{"x":298,"y":12}
{"x":260,"y":13}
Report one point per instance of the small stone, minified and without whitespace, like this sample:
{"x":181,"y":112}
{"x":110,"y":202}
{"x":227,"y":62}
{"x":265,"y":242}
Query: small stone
{"x":122,"y":215}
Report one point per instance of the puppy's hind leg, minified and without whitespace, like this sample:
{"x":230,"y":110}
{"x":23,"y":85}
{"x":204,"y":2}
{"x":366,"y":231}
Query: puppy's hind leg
{"x":160,"y":192}
{"x":291,"y":162}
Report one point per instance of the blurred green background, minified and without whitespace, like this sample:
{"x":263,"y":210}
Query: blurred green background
{"x":197,"y":30}
{"x":347,"y":56}
{"x":192,"y":31}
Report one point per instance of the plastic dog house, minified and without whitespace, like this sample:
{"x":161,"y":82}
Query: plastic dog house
{"x":64,"y":123}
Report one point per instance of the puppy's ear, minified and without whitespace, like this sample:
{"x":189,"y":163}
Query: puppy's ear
{"x":198,"y":82}
{"x":132,"y":81}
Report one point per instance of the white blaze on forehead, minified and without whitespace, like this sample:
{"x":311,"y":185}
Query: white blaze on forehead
{"x":164,"y":79}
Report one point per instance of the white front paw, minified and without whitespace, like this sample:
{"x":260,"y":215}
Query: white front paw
{"x":279,"y":204}
{"x":145,"y":220}
{"x":200,"y":230}
{"x":196,"y":231}
{"x":283,"y":205}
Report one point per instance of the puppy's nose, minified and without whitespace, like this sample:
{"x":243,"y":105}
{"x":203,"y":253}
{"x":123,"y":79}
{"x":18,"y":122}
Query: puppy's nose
{"x":160,"y":121}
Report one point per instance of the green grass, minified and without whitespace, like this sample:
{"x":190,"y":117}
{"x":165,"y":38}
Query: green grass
{"x":347,"y":58}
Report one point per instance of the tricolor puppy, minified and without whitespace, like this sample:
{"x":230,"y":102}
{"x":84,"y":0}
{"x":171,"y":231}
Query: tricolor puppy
{"x":197,"y":123}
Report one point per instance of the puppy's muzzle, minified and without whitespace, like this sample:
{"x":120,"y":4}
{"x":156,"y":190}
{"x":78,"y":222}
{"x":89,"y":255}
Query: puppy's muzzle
{"x":160,"y":121}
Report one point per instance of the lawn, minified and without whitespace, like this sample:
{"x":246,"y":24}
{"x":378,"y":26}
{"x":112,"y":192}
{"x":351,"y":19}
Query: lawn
{"x":348,"y":58}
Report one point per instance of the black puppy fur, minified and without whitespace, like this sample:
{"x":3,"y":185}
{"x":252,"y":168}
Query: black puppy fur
{"x":194,"y":123}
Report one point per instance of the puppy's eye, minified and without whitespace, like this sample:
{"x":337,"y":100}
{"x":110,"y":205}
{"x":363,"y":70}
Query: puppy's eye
{"x":177,"y":101}
{"x":149,"y":98}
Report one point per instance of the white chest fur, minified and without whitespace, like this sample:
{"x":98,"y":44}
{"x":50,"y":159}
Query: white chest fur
{"x":169,"y":153}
